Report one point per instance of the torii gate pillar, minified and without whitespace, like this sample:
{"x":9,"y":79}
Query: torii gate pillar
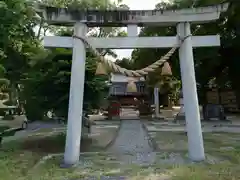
{"x":190,"y":98}
{"x":74,"y":125}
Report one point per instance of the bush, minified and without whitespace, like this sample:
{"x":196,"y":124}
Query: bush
{"x":2,"y":112}
{"x":33,"y":110}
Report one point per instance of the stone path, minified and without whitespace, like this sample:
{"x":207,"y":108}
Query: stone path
{"x":131,"y":144}
{"x":129,"y":113}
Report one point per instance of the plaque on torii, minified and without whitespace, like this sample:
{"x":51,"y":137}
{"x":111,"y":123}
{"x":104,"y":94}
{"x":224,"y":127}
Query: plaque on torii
{"x":82,"y":19}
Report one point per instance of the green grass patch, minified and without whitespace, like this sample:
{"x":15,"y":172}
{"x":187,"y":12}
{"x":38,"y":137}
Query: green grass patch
{"x":19,"y":159}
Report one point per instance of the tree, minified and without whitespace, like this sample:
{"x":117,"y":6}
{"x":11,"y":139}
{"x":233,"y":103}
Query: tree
{"x":17,"y":42}
{"x":47,"y":83}
{"x":125,"y":63}
{"x":210,"y":63}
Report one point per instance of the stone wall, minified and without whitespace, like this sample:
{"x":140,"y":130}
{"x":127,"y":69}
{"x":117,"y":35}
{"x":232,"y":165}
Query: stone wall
{"x":226,"y":97}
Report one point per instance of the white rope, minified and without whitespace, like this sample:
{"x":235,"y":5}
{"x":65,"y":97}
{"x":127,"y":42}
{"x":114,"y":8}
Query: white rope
{"x":133,"y":73}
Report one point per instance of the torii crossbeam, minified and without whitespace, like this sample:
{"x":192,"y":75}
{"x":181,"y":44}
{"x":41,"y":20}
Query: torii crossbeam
{"x":132,"y":42}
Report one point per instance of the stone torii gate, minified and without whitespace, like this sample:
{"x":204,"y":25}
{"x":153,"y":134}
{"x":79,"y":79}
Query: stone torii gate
{"x":81,"y":20}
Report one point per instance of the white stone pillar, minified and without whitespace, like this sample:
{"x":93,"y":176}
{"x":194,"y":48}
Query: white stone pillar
{"x":181,"y":103}
{"x":181,"y":106}
{"x":190,"y":98}
{"x":156,"y":101}
{"x":74,"y":125}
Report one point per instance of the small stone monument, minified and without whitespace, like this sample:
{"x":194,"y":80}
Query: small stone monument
{"x":214,"y":111}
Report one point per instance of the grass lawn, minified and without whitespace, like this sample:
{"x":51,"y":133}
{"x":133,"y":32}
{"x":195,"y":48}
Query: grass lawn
{"x":222,"y":152}
{"x":19,"y":160}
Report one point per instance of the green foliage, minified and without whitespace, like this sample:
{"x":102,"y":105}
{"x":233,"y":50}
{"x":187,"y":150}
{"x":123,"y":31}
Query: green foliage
{"x":37,"y":78}
{"x":17,"y":42}
{"x":221,"y":64}
{"x":17,"y":21}
{"x":125,"y":63}
{"x":49,"y":86}
{"x":80,"y":4}
{"x":46,"y":84}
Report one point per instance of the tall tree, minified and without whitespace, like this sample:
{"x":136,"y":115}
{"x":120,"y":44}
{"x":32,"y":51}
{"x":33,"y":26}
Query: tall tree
{"x":210,"y":63}
{"x":17,"y":40}
{"x":47,"y":84}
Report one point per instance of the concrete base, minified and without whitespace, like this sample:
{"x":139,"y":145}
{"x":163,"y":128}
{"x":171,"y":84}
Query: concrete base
{"x":66,"y":166}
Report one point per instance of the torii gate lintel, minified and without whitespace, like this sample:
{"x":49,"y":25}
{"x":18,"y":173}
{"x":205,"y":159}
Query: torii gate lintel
{"x":131,"y":42}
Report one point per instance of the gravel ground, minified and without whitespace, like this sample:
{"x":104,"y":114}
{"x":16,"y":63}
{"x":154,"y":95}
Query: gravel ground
{"x":131,"y":144}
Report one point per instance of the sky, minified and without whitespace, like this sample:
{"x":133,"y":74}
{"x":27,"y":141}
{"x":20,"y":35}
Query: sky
{"x":136,"y":5}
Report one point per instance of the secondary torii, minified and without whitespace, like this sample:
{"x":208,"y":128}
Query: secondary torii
{"x":81,"y":20}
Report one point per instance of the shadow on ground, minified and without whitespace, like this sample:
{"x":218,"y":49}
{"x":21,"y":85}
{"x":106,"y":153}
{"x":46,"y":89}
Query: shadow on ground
{"x":54,"y":144}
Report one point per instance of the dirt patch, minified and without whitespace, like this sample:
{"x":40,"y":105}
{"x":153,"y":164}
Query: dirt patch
{"x":104,"y":136}
{"x":54,"y":144}
{"x":46,"y":141}
{"x":216,"y":145}
{"x":170,"y":140}
{"x":50,"y":144}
